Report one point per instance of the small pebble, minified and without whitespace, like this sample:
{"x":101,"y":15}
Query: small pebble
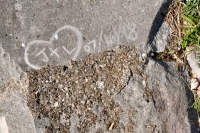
{"x":56,"y":104}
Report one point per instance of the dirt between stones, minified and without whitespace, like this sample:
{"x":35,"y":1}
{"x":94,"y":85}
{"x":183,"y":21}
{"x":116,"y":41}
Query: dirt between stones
{"x":79,"y":95}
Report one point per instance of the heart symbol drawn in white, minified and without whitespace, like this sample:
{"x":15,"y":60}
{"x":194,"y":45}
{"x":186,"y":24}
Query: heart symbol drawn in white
{"x":74,"y":29}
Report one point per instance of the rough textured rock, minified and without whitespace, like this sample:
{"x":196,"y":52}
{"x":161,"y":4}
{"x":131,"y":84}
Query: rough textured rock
{"x":120,"y":88}
{"x":112,"y":91}
{"x":13,"y":106}
{"x":169,"y":98}
{"x":85,"y":90}
{"x":17,"y":115}
{"x":110,"y":88}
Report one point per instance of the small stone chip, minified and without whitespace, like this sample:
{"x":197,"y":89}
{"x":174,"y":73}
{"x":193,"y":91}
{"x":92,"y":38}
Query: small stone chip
{"x":194,"y":83}
{"x":144,"y":55}
{"x":3,"y":125}
{"x":111,"y":126}
{"x":56,"y":104}
{"x":144,"y":83}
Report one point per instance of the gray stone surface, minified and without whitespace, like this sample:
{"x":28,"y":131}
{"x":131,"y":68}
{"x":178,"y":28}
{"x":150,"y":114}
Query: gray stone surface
{"x":169,"y":98}
{"x":36,"y":33}
{"x":31,"y":30}
{"x":13,"y":102}
{"x":8,"y":68}
{"x":18,"y":117}
{"x":13,"y":90}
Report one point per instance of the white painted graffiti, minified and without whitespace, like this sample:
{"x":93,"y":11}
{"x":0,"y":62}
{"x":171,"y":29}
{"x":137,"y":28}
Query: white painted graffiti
{"x":54,"y":52}
{"x":127,"y":31}
{"x":109,"y":40}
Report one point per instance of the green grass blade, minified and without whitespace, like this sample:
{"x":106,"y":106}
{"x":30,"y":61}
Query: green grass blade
{"x":189,"y":20}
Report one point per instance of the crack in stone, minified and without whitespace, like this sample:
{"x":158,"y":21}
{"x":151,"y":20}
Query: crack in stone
{"x":127,"y":83}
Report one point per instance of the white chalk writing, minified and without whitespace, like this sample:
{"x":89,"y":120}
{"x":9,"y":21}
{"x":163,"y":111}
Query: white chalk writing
{"x":54,"y":52}
{"x":45,"y":59}
{"x":49,"y":43}
{"x":106,"y":40}
{"x":127,"y":31}
{"x":68,"y":52}
{"x":90,"y":47}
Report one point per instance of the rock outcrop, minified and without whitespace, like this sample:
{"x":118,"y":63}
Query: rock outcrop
{"x":107,"y":87}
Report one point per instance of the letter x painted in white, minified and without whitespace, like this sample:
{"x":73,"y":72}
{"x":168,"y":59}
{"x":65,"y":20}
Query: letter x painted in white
{"x":54,"y":52}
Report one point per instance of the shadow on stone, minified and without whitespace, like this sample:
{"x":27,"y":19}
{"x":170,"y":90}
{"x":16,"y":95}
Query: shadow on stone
{"x":191,"y":112}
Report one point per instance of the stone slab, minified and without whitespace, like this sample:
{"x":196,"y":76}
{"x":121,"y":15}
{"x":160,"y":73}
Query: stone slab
{"x":37,"y":33}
